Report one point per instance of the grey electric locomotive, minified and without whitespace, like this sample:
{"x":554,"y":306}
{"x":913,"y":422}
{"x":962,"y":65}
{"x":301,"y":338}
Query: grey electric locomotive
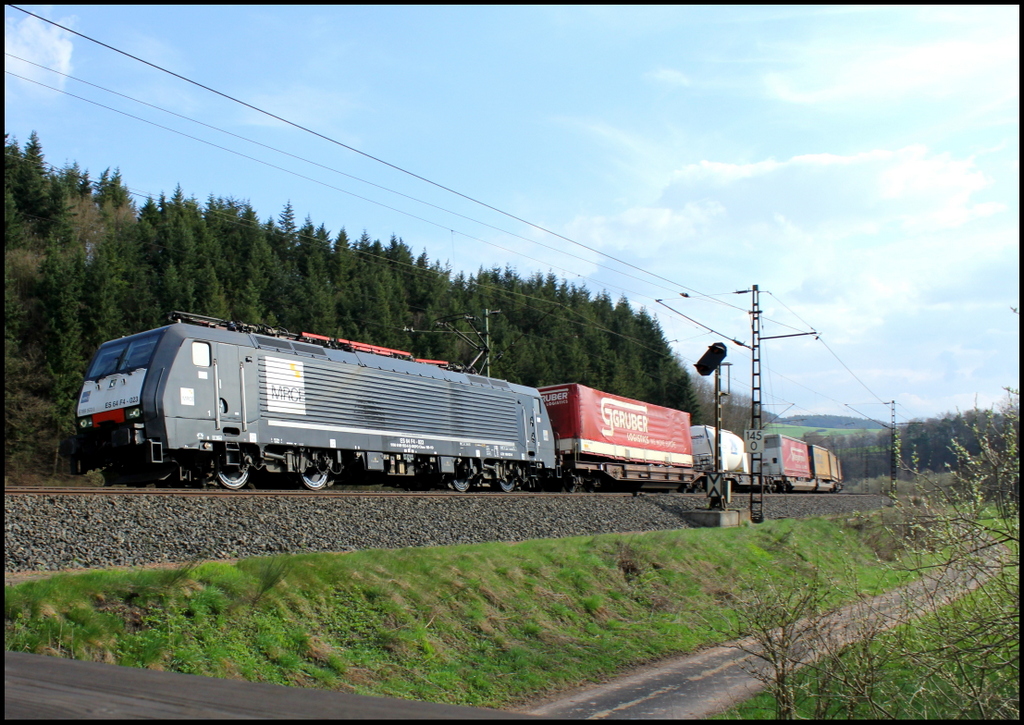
{"x":218,"y":402}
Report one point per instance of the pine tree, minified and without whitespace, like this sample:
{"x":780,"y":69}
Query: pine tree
{"x":111,"y":193}
{"x":210,"y":299}
{"x":60,"y":294}
{"x":105,"y":293}
{"x":30,"y":184}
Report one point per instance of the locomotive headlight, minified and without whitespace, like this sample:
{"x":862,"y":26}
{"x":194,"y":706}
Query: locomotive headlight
{"x":85,"y":422}
{"x":133,"y":413}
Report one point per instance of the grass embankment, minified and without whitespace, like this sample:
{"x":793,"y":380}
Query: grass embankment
{"x":485,"y":624}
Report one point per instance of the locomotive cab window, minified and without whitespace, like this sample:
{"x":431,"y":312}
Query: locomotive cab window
{"x":201,"y":354}
{"x":122,"y":356}
{"x":106,"y":360}
{"x":139,"y":353}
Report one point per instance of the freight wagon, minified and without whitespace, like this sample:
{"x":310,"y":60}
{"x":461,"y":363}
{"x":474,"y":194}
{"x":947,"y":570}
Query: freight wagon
{"x":789,"y":464}
{"x":732,"y":456}
{"x":606,"y":440}
{"x":825,"y":468}
{"x":786,"y":459}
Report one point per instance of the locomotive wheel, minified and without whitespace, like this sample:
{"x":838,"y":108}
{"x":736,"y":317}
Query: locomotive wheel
{"x":234,"y":478}
{"x":315,"y":480}
{"x":505,"y":485}
{"x":460,"y":484}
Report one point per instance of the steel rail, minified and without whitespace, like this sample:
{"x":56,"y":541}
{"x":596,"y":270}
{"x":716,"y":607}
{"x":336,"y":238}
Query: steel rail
{"x":143,"y":491}
{"x":147,"y":491}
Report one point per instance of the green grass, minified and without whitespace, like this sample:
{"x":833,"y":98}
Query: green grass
{"x":482,"y":624}
{"x":798,"y":431}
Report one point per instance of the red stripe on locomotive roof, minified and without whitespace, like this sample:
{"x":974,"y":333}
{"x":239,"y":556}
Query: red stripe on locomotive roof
{"x":375,"y":349}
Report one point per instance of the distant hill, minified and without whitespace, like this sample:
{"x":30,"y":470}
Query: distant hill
{"x":842,"y":422}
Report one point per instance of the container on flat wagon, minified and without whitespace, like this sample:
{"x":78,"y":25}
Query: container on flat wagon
{"x":733,"y":456}
{"x":836,"y":467}
{"x":823,"y":464}
{"x":785,"y":456}
{"x":590,"y":423}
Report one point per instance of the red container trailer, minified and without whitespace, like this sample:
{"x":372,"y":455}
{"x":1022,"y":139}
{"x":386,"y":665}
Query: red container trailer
{"x":785,"y":456}
{"x":590,"y":424}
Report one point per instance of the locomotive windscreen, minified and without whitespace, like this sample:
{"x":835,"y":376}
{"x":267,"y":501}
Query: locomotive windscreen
{"x":123,"y":355}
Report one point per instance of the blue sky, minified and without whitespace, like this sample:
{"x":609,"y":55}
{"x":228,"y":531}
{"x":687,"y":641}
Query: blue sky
{"x":861,"y":165}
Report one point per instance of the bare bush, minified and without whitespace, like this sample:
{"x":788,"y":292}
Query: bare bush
{"x":927,"y":650}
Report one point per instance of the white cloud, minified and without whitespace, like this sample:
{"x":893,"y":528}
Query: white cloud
{"x":850,"y":241}
{"x":646,"y":230}
{"x":915,"y":180}
{"x":668,"y":76}
{"x":834,"y":196}
{"x":40,"y":43}
{"x":877,"y":72}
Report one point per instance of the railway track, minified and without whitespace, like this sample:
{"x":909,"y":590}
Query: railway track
{"x":221,"y":492}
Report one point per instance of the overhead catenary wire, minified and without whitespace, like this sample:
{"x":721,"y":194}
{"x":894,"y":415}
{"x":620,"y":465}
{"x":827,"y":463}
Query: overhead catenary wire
{"x":584,"y":321}
{"x":498,"y":290}
{"x":402,"y":170}
{"x":351,"y":176}
{"x":308,"y":178}
{"x":819,"y":339}
{"x":700,"y":324}
{"x":366,"y":155}
{"x":588,"y":322}
{"x":887,"y":426}
{"x":260,"y":161}
{"x":317,"y":181}
{"x":314,"y":163}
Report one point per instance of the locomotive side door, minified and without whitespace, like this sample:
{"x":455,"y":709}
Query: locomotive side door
{"x":190,"y":392}
{"x":532,"y":419}
{"x":227,"y":377}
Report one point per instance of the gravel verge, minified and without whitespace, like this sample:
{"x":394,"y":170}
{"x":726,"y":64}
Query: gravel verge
{"x":48,"y":533}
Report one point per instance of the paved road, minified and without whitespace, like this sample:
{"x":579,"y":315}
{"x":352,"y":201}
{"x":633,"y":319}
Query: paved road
{"x":684,"y":688}
{"x":38,"y":687}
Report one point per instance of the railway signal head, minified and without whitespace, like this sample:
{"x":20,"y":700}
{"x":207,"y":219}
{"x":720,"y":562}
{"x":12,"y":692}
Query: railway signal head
{"x":710,"y":361}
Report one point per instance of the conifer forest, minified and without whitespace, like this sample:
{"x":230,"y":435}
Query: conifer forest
{"x":86,"y":262}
